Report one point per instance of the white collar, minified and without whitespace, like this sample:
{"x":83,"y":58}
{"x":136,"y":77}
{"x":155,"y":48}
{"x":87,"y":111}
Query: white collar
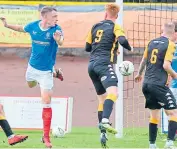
{"x":42,"y":28}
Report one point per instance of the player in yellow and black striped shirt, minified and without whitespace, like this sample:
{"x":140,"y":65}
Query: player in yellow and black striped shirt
{"x":157,"y":58}
{"x":102,"y":43}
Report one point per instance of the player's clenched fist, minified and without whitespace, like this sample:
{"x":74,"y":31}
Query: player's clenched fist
{"x":138,"y":78}
{"x":4,"y":21}
{"x":57,"y":35}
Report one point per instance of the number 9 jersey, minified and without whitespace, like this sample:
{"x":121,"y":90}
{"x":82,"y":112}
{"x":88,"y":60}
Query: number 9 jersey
{"x":157,"y":51}
{"x":103,"y":39}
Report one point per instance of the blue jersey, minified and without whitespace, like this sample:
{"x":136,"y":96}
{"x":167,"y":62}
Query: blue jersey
{"x":44,"y":47}
{"x":174,"y":66}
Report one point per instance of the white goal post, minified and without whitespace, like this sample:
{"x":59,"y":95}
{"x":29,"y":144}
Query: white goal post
{"x":119,"y":102}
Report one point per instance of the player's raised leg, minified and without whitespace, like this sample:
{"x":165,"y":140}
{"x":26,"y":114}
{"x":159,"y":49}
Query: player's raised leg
{"x":32,"y":84}
{"x":12,"y":138}
{"x":31,"y":76}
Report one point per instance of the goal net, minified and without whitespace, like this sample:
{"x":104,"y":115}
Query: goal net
{"x":146,"y":22}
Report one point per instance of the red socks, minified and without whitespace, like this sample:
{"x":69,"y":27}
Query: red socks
{"x":47,"y":117}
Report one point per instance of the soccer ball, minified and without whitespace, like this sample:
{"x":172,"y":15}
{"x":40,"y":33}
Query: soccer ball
{"x":126,"y":68}
{"x":58,"y":132}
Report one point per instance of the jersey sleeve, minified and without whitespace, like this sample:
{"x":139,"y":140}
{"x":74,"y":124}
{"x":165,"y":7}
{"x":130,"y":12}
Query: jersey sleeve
{"x":170,"y":51}
{"x":89,"y":37}
{"x":118,"y":31}
{"x":28,"y":28}
{"x":145,"y":55}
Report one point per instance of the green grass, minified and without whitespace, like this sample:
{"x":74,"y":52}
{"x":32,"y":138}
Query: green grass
{"x":87,"y":138}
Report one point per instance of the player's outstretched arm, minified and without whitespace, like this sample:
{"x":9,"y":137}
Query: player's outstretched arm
{"x":120,"y":37}
{"x":124,"y":43}
{"x":13,"y":27}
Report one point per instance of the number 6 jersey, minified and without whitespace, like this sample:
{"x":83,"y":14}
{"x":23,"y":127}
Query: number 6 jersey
{"x":157,"y":51}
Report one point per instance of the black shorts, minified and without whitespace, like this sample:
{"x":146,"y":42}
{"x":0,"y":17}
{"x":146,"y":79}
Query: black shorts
{"x":158,"y":97}
{"x":102,"y":75}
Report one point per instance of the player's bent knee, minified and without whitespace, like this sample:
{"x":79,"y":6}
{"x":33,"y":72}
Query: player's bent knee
{"x":112,"y":93}
{"x":112,"y":97}
{"x":32,"y":84}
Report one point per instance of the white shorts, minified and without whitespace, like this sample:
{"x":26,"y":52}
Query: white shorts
{"x":44,"y":78}
{"x":174,"y":91}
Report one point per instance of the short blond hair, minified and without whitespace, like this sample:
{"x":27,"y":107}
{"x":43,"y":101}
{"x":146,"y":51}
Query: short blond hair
{"x":47,"y":9}
{"x":175,"y":23}
{"x":112,"y":9}
{"x":169,"y":28}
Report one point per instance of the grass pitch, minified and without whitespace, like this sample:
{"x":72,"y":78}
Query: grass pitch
{"x":87,"y":138}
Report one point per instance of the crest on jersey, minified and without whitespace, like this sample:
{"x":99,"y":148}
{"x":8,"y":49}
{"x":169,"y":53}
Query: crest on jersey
{"x":47,"y":35}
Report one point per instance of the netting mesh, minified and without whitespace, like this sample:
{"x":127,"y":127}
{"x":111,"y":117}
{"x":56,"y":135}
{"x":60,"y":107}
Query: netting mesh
{"x":146,"y":26}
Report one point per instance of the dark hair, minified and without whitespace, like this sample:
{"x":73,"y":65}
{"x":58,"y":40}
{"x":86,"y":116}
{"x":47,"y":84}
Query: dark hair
{"x":47,"y":9}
